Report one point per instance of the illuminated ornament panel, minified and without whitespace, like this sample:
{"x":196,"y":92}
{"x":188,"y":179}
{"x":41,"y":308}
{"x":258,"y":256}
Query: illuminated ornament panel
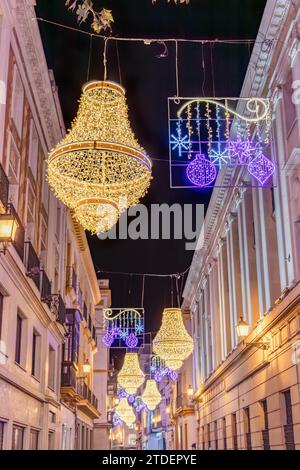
{"x":172,"y":342}
{"x":123,"y":327}
{"x":99,"y":169}
{"x":207,"y":135}
{"x":151,"y":395}
{"x":125,"y":412}
{"x":160,"y":371}
{"x":131,"y":377}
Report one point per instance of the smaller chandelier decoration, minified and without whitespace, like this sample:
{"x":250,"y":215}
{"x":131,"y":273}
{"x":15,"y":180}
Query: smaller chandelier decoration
{"x":124,"y":327}
{"x":172,"y":342}
{"x":125,"y":412}
{"x":99,"y":169}
{"x":151,"y":395}
{"x":208,"y":134}
{"x":131,"y":377}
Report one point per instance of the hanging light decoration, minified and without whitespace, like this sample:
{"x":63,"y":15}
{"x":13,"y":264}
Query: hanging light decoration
{"x":151,"y":395}
{"x":130,"y":377}
{"x":173,"y":343}
{"x":99,"y":169}
{"x":125,"y":412}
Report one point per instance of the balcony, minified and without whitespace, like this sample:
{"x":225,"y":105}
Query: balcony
{"x":4,"y":188}
{"x":45,"y":289}
{"x":88,"y":403}
{"x":58,"y":308}
{"x":184,"y":405}
{"x":32,"y":264}
{"x":69,"y":383}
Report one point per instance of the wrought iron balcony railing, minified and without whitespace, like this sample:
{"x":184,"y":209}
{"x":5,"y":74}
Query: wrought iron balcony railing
{"x":58,"y":308}
{"x":32,"y":264}
{"x":45,"y":288}
{"x":184,"y":401}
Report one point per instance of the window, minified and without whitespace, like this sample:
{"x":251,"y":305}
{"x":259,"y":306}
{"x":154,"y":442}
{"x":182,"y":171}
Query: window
{"x":288,"y":426}
{"x":51,"y":368}
{"x":1,"y":434}
{"x":1,"y":313}
{"x":224,"y":434}
{"x":265,"y":425}
{"x":247,"y":428}
{"x":51,"y":440}
{"x":216,"y":435}
{"x":203,"y":438}
{"x":18,"y":338}
{"x":208,"y":437}
{"x":17,"y":438}
{"x":34,"y":439}
{"x":18,"y":102}
{"x":234,"y":431}
{"x":35,"y":363}
{"x":186,"y":436}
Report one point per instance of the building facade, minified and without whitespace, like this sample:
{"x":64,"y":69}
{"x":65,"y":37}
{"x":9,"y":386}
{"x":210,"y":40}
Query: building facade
{"x":102,"y":425}
{"x":247,"y":393}
{"x":48,"y":286}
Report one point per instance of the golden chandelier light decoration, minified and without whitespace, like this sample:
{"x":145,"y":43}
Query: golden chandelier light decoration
{"x":125,"y":412}
{"x":130,"y":377}
{"x":99,"y":169}
{"x":173,"y":343}
{"x":151,"y":395}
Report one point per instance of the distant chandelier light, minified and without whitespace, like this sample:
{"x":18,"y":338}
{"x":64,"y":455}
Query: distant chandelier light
{"x":125,"y":412}
{"x":130,"y":377}
{"x":173,"y":343}
{"x":99,"y":169}
{"x":151,"y":395}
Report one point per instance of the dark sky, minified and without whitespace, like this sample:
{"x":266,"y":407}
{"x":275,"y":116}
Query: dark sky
{"x":148,"y":82}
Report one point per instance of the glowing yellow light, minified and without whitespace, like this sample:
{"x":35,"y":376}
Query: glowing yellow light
{"x":130,"y":376}
{"x":173,"y":343}
{"x":190,"y":391}
{"x":8,"y":228}
{"x":99,"y":169}
{"x":151,"y":395}
{"x":242,"y":328}
{"x":125,"y":412}
{"x":86,"y":367}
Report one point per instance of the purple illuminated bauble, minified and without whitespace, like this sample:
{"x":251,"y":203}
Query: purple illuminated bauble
{"x":122,"y":394}
{"x":108,"y":339}
{"x":201,"y":172}
{"x":261,"y":168}
{"x":130,"y":399}
{"x":173,"y":375}
{"x":132,"y":341}
{"x":139,"y":408}
{"x":158,"y":376}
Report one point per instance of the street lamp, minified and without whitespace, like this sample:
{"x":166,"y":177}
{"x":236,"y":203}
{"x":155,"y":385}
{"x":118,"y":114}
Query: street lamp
{"x":243,"y":331}
{"x":8,"y":228}
{"x":86,"y":367}
{"x":242,"y":328}
{"x":190,"y":391}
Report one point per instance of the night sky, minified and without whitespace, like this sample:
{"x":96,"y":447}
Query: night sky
{"x":149,"y":81}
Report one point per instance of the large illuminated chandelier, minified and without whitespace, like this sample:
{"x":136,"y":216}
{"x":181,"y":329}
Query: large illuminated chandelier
{"x":151,"y":395}
{"x":173,"y":343}
{"x":125,"y":412}
{"x":99,"y":169}
{"x":131,"y":377}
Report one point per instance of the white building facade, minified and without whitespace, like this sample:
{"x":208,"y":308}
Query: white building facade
{"x":48,"y":286}
{"x":247,"y":393}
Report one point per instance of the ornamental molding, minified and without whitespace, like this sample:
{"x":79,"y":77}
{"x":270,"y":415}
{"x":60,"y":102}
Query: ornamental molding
{"x":293,"y":52}
{"x":255,"y":81}
{"x":30,"y":43}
